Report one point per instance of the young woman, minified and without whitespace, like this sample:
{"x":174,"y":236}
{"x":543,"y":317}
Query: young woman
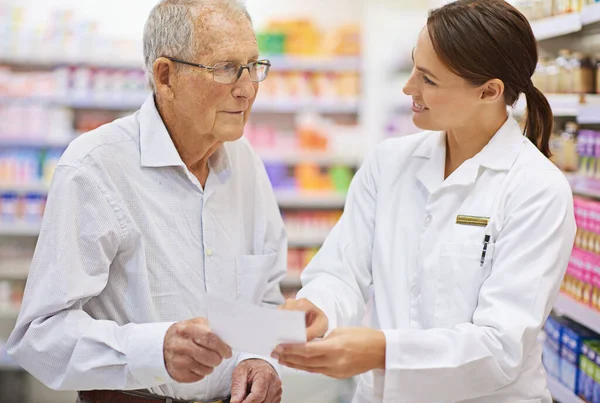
{"x":460,"y":234}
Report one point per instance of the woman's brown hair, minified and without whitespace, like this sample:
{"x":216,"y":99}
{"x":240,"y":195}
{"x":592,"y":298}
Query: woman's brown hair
{"x":480,"y":40}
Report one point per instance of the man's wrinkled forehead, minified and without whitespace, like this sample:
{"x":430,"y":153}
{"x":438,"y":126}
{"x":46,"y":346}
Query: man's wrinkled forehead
{"x":216,"y":26}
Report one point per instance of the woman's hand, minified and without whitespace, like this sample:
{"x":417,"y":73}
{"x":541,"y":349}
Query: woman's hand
{"x":344,"y":353}
{"x":316,"y":320}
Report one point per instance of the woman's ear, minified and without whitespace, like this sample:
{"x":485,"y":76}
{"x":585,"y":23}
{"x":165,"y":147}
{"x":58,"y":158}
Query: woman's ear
{"x":492,"y":90}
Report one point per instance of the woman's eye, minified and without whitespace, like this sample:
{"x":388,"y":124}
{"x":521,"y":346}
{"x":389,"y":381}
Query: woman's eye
{"x":428,"y":81}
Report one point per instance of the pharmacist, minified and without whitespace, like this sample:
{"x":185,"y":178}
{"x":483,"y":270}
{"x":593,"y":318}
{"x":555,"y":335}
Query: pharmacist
{"x":460,"y":234}
{"x":147,"y":214}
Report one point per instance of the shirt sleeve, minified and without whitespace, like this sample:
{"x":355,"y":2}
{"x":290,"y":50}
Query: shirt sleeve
{"x":338,"y":279}
{"x":54,"y":338}
{"x":529,"y":262}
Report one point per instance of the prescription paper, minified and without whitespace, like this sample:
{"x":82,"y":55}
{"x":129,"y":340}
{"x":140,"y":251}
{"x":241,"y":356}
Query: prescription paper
{"x":252,"y":329}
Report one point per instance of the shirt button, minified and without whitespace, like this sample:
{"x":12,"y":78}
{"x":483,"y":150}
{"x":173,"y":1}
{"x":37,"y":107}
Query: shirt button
{"x":428,"y":220}
{"x":415,"y":290}
{"x":209,"y":252}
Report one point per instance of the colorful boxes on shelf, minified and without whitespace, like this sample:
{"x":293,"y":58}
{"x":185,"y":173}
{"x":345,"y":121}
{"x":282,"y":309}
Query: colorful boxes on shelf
{"x":570,"y":352}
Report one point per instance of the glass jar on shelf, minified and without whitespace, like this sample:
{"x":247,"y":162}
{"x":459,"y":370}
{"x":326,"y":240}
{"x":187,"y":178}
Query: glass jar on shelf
{"x":583,"y":73}
{"x":552,"y":77}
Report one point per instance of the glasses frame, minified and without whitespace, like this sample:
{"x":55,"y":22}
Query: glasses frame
{"x":243,"y":67}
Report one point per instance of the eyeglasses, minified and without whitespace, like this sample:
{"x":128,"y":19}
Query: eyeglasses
{"x":230,"y":72}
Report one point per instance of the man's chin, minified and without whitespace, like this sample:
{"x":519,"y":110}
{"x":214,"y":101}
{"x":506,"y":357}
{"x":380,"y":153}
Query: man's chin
{"x":230,"y":134}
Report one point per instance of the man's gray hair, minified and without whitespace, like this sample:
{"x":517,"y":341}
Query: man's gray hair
{"x":170,"y":29}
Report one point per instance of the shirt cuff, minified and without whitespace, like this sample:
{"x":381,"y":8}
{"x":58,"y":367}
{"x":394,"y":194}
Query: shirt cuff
{"x":145,"y":357}
{"x":273,"y":362}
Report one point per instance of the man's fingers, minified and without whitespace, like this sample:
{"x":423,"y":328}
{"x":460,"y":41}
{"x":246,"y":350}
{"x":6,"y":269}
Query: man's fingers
{"x":239,"y":385}
{"x":259,"y":389}
{"x":202,"y":336}
{"x":275,"y":392}
{"x":205,"y":356}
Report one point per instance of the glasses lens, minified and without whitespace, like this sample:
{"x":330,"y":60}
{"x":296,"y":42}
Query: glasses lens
{"x":226,"y":72}
{"x":259,"y":70}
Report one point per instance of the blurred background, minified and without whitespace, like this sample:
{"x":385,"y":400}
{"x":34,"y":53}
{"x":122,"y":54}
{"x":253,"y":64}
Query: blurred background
{"x":334,"y":91}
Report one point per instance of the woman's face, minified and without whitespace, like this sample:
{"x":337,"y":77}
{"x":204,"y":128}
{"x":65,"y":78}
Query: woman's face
{"x":441,"y":99}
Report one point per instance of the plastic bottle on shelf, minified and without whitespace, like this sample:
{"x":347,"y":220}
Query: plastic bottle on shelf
{"x":565,"y":72}
{"x":540,"y":76}
{"x":597,"y":63}
{"x":582,"y":149}
{"x":9,"y":205}
{"x":564,"y":148}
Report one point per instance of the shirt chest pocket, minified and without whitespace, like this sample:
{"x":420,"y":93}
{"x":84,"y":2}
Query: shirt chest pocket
{"x":252,"y":273}
{"x":460,"y":277}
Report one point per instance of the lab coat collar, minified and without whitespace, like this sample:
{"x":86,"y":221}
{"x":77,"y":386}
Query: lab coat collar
{"x":503,"y":149}
{"x":499,"y":154}
{"x":158,"y":150}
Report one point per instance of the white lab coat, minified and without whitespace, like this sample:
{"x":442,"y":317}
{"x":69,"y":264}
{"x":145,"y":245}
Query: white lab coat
{"x":456,"y":331}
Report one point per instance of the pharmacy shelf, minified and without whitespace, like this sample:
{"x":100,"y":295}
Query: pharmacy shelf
{"x":22,"y":189}
{"x":116,"y":104}
{"x":34,"y":142}
{"x":53,"y":61}
{"x":590,"y":14}
{"x":284,"y":106}
{"x":556,"y":26}
{"x":20,"y":229}
{"x":314,"y":157}
{"x":566,"y":24}
{"x":569,"y":105}
{"x":561,"y":393}
{"x":305,"y":242}
{"x":9,"y":313}
{"x":14,"y":269}
{"x":302,"y":63}
{"x":584,"y":186}
{"x":292,"y":280}
{"x":580,"y":313}
{"x":113,"y":104}
{"x":561,"y":104}
{"x":310,"y":200}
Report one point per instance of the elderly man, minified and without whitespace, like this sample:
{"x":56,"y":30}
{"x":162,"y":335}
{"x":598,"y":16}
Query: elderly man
{"x":146,"y":215}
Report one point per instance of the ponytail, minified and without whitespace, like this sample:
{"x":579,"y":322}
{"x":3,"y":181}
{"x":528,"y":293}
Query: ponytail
{"x":538,"y":126}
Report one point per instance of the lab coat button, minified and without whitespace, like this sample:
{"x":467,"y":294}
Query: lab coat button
{"x":415,"y":290}
{"x":209,"y":252}
{"x":428,"y":220}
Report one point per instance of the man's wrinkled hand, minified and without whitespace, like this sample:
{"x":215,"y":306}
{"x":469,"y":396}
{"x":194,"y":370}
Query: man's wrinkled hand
{"x":255,"y":381}
{"x":192,"y":351}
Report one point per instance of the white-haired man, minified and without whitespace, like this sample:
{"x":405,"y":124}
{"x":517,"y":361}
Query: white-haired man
{"x":146,"y":215}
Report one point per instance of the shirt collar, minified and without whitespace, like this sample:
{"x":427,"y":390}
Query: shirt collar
{"x":158,"y":150}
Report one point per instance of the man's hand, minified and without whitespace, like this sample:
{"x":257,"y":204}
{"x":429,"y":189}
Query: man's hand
{"x":255,"y":381}
{"x":316,"y":320}
{"x":192,"y":351}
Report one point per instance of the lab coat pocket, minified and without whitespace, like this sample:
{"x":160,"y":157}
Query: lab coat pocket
{"x":460,"y":278}
{"x":253,"y":276}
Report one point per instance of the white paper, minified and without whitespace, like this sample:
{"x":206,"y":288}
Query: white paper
{"x":251,"y":329}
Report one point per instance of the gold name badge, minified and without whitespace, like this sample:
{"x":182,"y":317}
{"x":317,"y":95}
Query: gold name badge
{"x":472,"y":220}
